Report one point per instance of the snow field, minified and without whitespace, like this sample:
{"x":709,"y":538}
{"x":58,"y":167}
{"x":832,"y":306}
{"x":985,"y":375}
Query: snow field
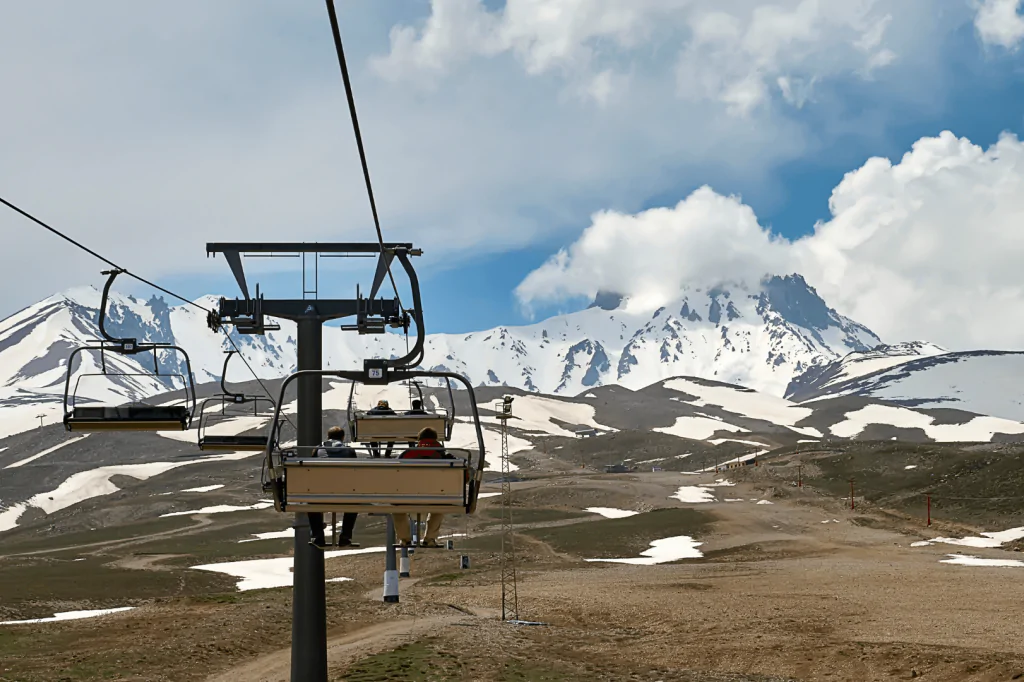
{"x":68,"y":615}
{"x":964,"y":560}
{"x":611,"y":512}
{"x":222,"y":509}
{"x":23,"y":462}
{"x":260,"y":574}
{"x":979,"y":429}
{"x":662,"y":551}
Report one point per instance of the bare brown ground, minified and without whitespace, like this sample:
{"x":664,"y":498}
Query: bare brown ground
{"x":779,"y":594}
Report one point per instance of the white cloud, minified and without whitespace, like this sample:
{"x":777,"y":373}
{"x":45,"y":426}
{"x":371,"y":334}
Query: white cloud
{"x":146,"y":129}
{"x":999,"y":23}
{"x":929,"y":247}
{"x":729,"y":51}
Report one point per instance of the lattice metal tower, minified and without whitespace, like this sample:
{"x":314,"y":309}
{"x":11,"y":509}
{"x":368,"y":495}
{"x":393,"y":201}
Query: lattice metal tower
{"x":509,"y":596}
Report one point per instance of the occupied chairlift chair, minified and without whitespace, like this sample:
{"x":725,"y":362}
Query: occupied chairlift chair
{"x":400,"y":428}
{"x":301,"y":482}
{"x":131,"y":417}
{"x":209,"y":416}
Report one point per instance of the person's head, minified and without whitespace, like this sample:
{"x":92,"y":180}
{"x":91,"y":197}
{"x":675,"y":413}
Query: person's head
{"x":428,"y":434}
{"x":417,"y":404}
{"x":383,"y":404}
{"x":336,"y":433}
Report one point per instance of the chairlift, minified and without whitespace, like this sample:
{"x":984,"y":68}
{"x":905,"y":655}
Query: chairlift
{"x":137,"y":415}
{"x":210,"y":415}
{"x":399,"y":427}
{"x":302,"y":482}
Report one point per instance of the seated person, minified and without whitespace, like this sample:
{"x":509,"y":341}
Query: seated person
{"x":428,"y":447}
{"x":334,"y":446}
{"x":417,"y":407}
{"x":382,"y":408}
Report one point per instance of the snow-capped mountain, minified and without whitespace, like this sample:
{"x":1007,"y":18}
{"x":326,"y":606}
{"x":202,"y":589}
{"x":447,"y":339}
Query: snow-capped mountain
{"x":757,"y":338}
{"x":982,"y":382}
{"x":820,"y":380}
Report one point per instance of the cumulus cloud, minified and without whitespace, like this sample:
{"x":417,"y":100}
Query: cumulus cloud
{"x":999,"y":23}
{"x":929,"y":247}
{"x":735,"y":52}
{"x":706,"y":238}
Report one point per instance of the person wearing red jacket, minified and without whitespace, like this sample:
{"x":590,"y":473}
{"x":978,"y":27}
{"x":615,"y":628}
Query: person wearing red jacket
{"x":427,"y":447}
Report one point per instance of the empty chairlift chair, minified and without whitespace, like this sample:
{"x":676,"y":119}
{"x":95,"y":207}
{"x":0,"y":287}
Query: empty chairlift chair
{"x":223,"y":409}
{"x":303,"y":482}
{"x":115,"y":355}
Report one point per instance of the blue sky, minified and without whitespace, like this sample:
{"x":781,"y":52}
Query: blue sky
{"x":492,"y":135}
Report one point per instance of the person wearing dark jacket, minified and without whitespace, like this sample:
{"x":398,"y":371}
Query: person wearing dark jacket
{"x":382,"y":408}
{"x":335,"y":446}
{"x":428,"y":447}
{"x":417,"y":408}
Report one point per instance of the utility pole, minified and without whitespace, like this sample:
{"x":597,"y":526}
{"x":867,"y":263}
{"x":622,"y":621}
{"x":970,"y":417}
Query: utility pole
{"x":509,"y":594}
{"x":309,"y":608}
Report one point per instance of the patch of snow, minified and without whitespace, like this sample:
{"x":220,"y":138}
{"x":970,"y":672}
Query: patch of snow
{"x":764,"y":502}
{"x":693,"y":494}
{"x":750,"y":404}
{"x":922,"y":543}
{"x":271,"y":535}
{"x":963,"y":560}
{"x":222,"y":509}
{"x":68,"y":615}
{"x":611,"y":512}
{"x":259,"y":574}
{"x":910,"y":466}
{"x":979,"y":429}
{"x":662,"y":551}
{"x":740,"y":499}
{"x":719,"y":441}
{"x":45,"y":452}
{"x":698,"y":428}
{"x":204,"y":489}
{"x":536,"y":413}
{"x":719,"y":483}
{"x":590,"y":395}
{"x":808,"y":441}
{"x":481,"y":496}
{"x":997,"y":539}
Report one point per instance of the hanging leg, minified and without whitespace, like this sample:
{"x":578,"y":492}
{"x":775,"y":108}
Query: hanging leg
{"x":433,"y":529}
{"x":402,"y":529}
{"x":348,"y":524}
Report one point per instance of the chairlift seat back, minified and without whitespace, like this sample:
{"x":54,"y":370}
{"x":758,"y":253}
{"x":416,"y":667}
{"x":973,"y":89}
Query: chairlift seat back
{"x":233,"y":443}
{"x":400,"y":428}
{"x":379,"y":486}
{"x":128,"y":418}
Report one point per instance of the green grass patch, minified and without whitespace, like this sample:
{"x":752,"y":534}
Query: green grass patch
{"x":414,"y":662}
{"x":30,"y":540}
{"x":28,"y":583}
{"x":523,"y":515}
{"x":619,"y":537}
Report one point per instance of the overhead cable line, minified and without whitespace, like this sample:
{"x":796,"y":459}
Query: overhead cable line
{"x":336,"y":31}
{"x":125,"y":271}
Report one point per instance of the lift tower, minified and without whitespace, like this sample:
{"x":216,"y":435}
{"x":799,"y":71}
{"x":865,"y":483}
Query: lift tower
{"x":509,"y":593}
{"x":373,"y":316}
